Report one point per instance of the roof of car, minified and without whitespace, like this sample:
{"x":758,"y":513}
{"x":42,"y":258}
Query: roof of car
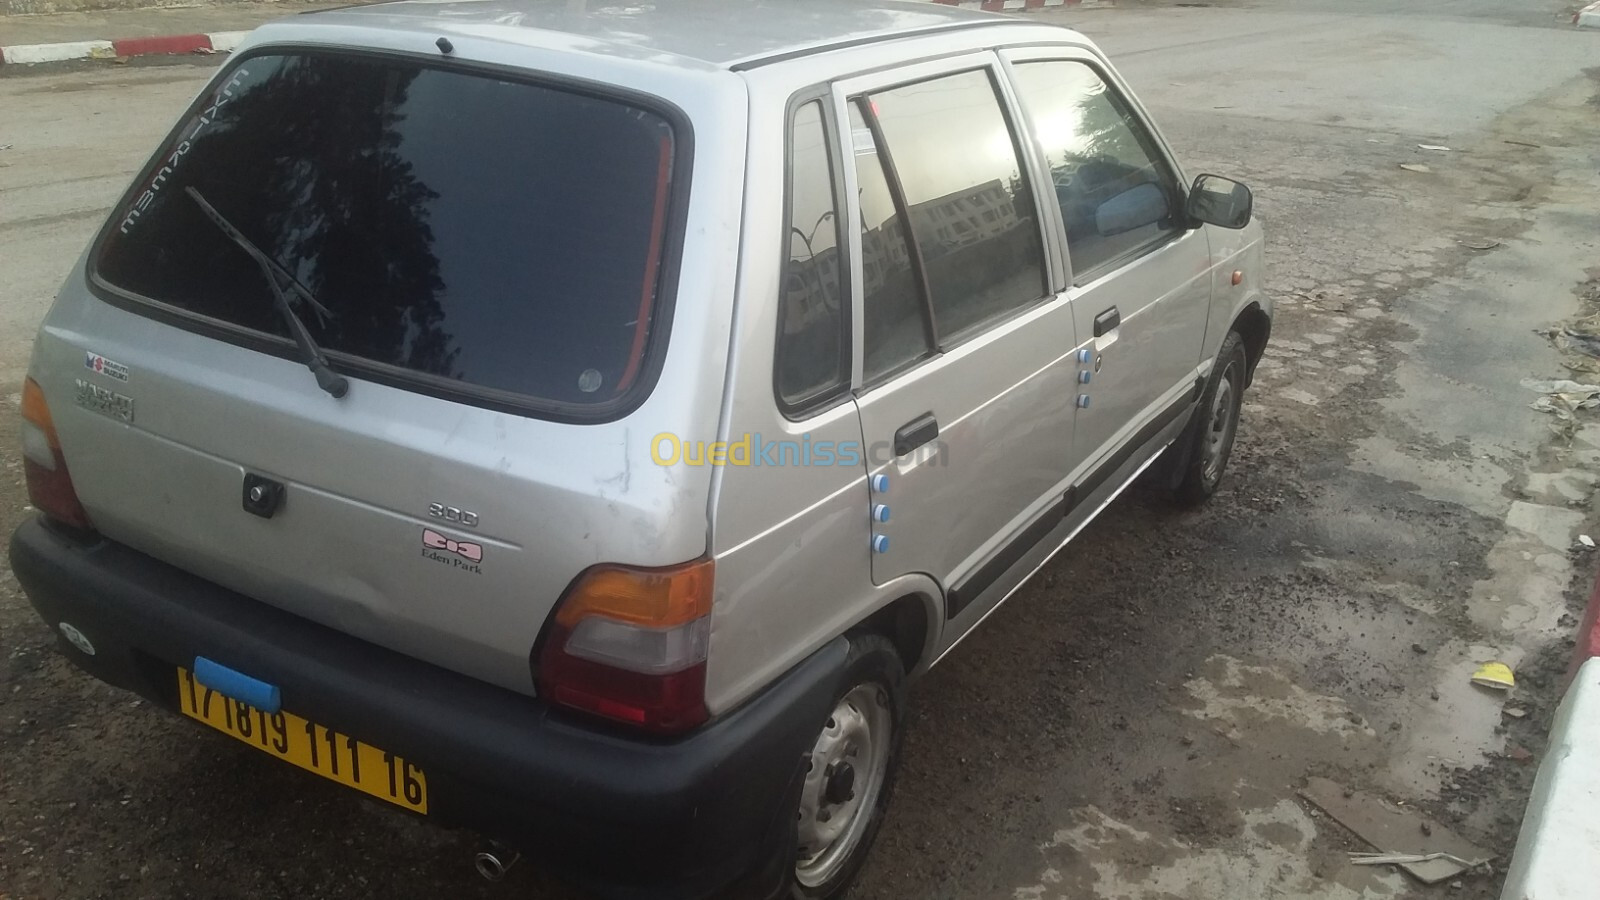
{"x":723,"y":33}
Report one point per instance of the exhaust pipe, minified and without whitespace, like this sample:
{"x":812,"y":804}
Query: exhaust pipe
{"x":495,"y":860}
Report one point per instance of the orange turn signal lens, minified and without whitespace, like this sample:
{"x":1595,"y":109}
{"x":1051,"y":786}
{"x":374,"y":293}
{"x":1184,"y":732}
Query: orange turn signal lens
{"x":44,"y":468}
{"x":652,"y":598}
{"x":36,"y":413}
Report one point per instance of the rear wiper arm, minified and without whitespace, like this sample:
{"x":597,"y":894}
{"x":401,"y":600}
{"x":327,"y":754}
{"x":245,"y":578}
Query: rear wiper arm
{"x":277,"y":278}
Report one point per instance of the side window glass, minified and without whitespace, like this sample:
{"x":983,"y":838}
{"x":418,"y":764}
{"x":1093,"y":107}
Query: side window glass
{"x":1115,"y":190}
{"x":812,"y":350}
{"x":894,"y":331}
{"x":970,"y":206}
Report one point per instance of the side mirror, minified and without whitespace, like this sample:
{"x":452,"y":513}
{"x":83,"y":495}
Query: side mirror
{"x":1136,"y":207}
{"x":1220,"y":201}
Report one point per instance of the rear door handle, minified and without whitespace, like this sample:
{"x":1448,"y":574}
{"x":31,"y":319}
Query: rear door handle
{"x":915,"y":433}
{"x":1107,"y":321}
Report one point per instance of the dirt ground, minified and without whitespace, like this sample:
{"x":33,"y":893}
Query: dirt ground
{"x":1137,"y":721}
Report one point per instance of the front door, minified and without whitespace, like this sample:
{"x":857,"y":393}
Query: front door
{"x":966,"y":348}
{"x":1141,"y":283}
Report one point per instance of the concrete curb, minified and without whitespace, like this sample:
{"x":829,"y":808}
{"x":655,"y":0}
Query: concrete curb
{"x":215,"y":42}
{"x":1588,"y":17}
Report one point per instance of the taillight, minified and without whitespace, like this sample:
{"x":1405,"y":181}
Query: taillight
{"x":630,"y":645}
{"x":49,"y":486}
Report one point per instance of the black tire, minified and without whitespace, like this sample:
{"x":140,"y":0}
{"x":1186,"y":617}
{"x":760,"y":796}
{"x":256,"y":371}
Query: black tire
{"x":1216,"y":424}
{"x":875,"y":667}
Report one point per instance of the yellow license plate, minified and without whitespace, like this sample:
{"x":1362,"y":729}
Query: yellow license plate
{"x":315,"y":748}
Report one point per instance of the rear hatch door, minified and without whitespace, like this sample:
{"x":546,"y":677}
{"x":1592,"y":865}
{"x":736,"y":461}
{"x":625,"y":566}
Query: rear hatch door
{"x":482,"y":257}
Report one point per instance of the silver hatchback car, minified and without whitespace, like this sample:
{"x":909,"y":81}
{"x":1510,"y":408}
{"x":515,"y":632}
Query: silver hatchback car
{"x":683,"y":378}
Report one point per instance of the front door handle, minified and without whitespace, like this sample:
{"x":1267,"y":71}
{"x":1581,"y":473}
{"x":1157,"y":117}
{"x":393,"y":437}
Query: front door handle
{"x":1107,"y":321}
{"x":915,"y":433}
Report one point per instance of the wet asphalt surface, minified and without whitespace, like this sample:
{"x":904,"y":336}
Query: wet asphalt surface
{"x":1136,"y":721}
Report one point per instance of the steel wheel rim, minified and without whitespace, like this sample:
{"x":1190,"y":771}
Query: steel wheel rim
{"x":853,"y":747}
{"x":1221,"y":424}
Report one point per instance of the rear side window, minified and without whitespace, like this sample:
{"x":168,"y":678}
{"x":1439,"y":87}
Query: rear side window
{"x":462,"y":230}
{"x":968,"y":201}
{"x":895,"y":332}
{"x":813,"y":362}
{"x":1116,"y":193}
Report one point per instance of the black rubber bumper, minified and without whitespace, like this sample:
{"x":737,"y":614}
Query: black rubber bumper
{"x":625,"y":817}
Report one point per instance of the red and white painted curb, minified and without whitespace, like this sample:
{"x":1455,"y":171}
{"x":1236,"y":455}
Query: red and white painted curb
{"x":217,"y":42}
{"x":1588,"y":637}
{"x":1013,"y":5}
{"x":224,"y":41}
{"x":1588,"y":17}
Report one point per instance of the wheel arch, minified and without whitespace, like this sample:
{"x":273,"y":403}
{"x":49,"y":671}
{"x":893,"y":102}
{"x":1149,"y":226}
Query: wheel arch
{"x":1254,"y":327}
{"x":909,"y":623}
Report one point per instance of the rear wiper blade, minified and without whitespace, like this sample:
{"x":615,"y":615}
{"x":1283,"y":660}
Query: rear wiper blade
{"x":277,"y":277}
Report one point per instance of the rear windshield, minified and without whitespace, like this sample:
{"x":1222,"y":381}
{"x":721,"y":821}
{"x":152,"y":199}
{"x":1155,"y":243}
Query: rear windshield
{"x":489,"y":233}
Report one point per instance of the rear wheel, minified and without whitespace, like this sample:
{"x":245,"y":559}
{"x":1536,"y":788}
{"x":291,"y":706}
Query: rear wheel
{"x":850,"y":770}
{"x":1218,"y":423}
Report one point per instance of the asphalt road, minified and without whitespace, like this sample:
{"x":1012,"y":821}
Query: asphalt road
{"x":1136,"y":723}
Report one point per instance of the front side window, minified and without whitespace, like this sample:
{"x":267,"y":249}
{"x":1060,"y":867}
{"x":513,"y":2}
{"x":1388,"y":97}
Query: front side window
{"x":456,"y":228}
{"x":813,"y":360}
{"x":969,"y":203}
{"x":1116,"y":193}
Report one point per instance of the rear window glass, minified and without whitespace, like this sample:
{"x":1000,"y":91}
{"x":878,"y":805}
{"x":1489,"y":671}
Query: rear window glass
{"x":487,"y":232}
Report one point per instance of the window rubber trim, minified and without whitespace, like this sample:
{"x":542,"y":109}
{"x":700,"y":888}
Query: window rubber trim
{"x":668,"y":265}
{"x":828,"y":397}
{"x":919,"y":272}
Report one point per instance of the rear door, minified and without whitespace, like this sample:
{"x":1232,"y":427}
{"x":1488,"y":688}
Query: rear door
{"x":968,"y":378}
{"x":1140,"y":274}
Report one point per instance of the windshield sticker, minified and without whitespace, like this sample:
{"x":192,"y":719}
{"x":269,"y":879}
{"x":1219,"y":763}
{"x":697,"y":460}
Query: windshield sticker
{"x":95,"y":398}
{"x":463,"y":555}
{"x":181,"y":149}
{"x":98,"y":364}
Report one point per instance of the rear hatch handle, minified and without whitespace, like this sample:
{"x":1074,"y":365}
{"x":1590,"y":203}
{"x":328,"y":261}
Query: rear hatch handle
{"x":277,"y":276}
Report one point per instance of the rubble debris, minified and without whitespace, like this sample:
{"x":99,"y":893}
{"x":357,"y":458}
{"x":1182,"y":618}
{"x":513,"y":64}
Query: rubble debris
{"x":1563,"y":397}
{"x":1431,"y":857}
{"x":1395,"y":859}
{"x":1587,"y":344}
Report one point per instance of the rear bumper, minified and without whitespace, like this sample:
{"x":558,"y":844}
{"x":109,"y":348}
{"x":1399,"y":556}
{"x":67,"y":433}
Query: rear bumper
{"x":624,"y":817}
